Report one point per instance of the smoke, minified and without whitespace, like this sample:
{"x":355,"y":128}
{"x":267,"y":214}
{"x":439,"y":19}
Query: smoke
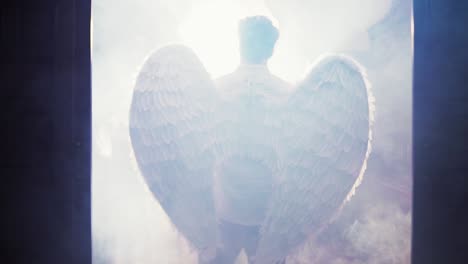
{"x":311,"y":28}
{"x":129,"y":226}
{"x":380,"y":236}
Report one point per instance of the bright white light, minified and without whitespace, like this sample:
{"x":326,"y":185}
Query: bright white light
{"x":211,"y":30}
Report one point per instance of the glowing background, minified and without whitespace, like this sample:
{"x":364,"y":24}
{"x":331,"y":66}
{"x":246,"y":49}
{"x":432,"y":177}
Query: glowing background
{"x":210,"y":28}
{"x":130,"y":227}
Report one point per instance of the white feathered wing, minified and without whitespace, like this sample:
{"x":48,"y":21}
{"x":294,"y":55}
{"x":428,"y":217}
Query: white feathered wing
{"x":171,"y":125}
{"x":323,"y":148}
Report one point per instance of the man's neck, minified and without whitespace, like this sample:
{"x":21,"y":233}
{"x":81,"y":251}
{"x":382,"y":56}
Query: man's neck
{"x":253,"y":68}
{"x":247,"y":64}
{"x":245,"y":61}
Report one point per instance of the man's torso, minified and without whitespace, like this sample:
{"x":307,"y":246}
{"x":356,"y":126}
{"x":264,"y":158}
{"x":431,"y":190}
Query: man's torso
{"x":245,"y":176}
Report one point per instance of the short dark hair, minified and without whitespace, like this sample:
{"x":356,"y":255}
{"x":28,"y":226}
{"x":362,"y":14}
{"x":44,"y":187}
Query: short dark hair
{"x":258,"y":37}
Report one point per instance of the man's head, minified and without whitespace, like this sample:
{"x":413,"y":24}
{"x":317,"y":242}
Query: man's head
{"x":257,"y":37}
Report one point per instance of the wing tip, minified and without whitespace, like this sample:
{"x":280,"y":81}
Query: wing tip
{"x":168,"y":60}
{"x":170,"y":49}
{"x":352,"y":64}
{"x":338,"y":58}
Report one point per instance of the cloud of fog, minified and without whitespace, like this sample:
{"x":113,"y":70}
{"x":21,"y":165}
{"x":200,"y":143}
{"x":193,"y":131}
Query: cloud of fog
{"x":310,"y":28}
{"x":380,"y":236}
{"x":128,"y":224}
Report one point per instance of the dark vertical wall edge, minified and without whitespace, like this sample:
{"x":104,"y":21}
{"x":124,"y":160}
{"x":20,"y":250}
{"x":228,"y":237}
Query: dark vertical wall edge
{"x":46,"y":131}
{"x":440,"y":123}
{"x":81,"y":112}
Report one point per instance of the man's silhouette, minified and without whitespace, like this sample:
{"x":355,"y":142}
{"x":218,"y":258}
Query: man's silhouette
{"x":243,"y":184}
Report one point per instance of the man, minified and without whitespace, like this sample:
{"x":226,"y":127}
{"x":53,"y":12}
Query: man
{"x":244,"y":179}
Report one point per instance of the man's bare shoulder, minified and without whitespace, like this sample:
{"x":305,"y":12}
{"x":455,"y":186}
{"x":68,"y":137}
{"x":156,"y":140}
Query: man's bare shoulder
{"x":225,"y":80}
{"x":281,"y":84}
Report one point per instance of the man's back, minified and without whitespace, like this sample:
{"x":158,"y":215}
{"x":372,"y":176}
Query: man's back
{"x":253,"y":79}
{"x":245,"y":176}
{"x":247,"y":158}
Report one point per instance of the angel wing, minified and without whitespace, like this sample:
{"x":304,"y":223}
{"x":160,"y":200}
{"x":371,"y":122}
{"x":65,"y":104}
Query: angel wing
{"x":171,"y":119}
{"x":324,"y":146}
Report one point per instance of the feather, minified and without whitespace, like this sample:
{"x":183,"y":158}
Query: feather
{"x":325,"y":143}
{"x":172,"y":105}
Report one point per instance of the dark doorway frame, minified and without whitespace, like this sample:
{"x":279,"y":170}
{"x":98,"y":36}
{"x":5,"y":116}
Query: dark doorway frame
{"x":46,"y":114}
{"x":46,"y":70}
{"x":440,"y":126}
